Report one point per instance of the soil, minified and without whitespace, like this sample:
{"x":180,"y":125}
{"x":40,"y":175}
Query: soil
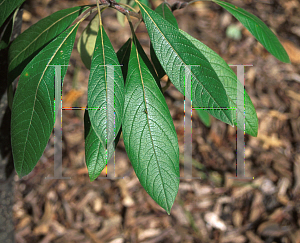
{"x":211,"y":209}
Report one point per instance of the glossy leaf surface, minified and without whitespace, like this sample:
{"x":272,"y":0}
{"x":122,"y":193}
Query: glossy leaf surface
{"x":37,"y":36}
{"x":258,"y":29}
{"x":33,"y":104}
{"x":175,"y":53}
{"x":5,"y":39}
{"x":7,"y":7}
{"x":149,"y":134}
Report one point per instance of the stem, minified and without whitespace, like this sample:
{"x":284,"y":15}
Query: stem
{"x":137,"y":24}
{"x":99,"y":13}
{"x":166,"y":86}
{"x":198,"y":1}
{"x":130,"y":24}
{"x":125,"y":5}
{"x":92,"y":11}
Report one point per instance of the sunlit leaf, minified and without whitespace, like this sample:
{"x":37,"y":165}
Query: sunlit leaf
{"x":149,"y":134}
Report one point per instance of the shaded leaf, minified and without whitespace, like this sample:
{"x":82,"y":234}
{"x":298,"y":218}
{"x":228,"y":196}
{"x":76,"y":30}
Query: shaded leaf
{"x":258,"y":29}
{"x":204,"y":117}
{"x":33,"y":105}
{"x":7,"y":7}
{"x":86,"y":42}
{"x":5,"y":39}
{"x":123,"y":56}
{"x":37,"y":36}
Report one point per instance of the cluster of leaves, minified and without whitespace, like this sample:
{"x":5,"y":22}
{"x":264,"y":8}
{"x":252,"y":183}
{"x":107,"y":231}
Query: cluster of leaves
{"x":141,"y":112}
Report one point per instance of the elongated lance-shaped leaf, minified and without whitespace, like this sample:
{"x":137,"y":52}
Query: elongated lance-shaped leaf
{"x":258,"y":29}
{"x":7,"y":7}
{"x":33,"y":105}
{"x":37,"y":36}
{"x":96,"y":155}
{"x":105,"y":90}
{"x":164,"y":11}
{"x":86,"y":42}
{"x":175,"y":53}
{"x":149,"y":134}
{"x":232,"y":85}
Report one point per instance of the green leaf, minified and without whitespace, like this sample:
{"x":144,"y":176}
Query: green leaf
{"x":204,"y":117}
{"x":33,"y":104}
{"x":96,"y":155}
{"x":175,"y":53}
{"x":149,"y":134}
{"x":98,"y":89}
{"x":37,"y":36}
{"x":232,"y":85}
{"x":7,"y":7}
{"x":120,"y":16}
{"x":164,"y":11}
{"x":86,"y":42}
{"x":5,"y":39}
{"x":258,"y":29}
{"x":159,"y":69}
{"x":123,"y":56}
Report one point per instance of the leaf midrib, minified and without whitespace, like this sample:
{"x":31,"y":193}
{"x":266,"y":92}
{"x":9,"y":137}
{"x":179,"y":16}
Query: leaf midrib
{"x":182,"y":60}
{"x":38,"y":88}
{"x":147,"y":115}
{"x":40,"y":35}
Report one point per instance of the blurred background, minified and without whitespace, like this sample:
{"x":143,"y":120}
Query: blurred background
{"x":213,"y":209}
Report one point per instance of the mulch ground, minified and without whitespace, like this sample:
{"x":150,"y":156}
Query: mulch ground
{"x":213,"y":209}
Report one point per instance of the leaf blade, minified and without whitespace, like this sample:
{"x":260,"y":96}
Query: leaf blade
{"x":32,"y":40}
{"x":155,"y":158}
{"x":98,"y":89}
{"x":174,"y":51}
{"x":258,"y":29}
{"x":232,"y":86}
{"x":7,"y":7}
{"x":33,"y":104}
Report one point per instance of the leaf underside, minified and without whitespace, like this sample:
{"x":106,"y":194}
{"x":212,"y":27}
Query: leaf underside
{"x":176,"y":53}
{"x":149,"y":134}
{"x":99,"y":91}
